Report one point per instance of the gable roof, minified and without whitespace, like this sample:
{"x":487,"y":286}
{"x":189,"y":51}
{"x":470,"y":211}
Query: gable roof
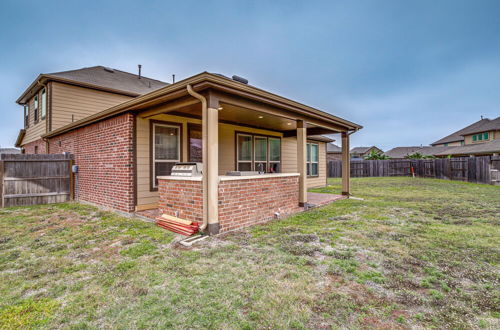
{"x":485,"y":126}
{"x":402,"y":152}
{"x":472,"y":149}
{"x":333,"y":148}
{"x":362,"y":150}
{"x":199,"y":82}
{"x":458,"y":135}
{"x":100,"y":77}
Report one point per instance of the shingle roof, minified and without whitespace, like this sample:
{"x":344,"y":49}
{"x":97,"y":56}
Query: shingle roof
{"x":9,"y":151}
{"x":471,"y":149}
{"x":485,"y":126}
{"x":458,"y":135}
{"x":362,"y":150}
{"x":112,"y":79}
{"x":402,"y":152}
{"x":333,"y":148}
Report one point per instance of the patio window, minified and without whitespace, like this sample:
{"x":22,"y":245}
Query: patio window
{"x":195,"y":143}
{"x":166,"y":149}
{"x":258,"y":153}
{"x":43,"y":109}
{"x":35,"y":110}
{"x":274,"y":155}
{"x":244,"y":150}
{"x":312,"y":159}
{"x":260,"y":156}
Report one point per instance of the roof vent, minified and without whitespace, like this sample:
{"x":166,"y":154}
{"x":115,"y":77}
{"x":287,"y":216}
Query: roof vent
{"x":240,"y":79}
{"x":109,"y":70}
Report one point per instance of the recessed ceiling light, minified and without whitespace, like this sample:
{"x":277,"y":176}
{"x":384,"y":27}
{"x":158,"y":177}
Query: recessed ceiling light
{"x":260,"y":117}
{"x":289,"y":124}
{"x":220,"y":108}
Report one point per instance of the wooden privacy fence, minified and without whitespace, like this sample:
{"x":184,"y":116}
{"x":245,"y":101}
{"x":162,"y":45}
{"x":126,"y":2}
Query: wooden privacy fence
{"x":35,"y":179}
{"x":472,"y":169}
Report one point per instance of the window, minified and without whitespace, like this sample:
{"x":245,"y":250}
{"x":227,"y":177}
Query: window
{"x":486,"y":136}
{"x":36,"y":149}
{"x":480,"y":137}
{"x":26,"y":116}
{"x":43,"y":112}
{"x":244,"y":151}
{"x":258,"y":153}
{"x":274,"y":155}
{"x":462,"y":143}
{"x":446,"y":144}
{"x":166,"y":149}
{"x":195,"y":143}
{"x":474,"y":137}
{"x":35,"y":110}
{"x":312,"y":159}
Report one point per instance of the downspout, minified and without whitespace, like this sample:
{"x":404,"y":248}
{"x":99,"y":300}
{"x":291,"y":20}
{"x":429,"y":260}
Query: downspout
{"x":204,"y":117}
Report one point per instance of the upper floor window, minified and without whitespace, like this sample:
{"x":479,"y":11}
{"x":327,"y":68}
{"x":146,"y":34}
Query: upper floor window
{"x":312,"y":159}
{"x":481,"y":136}
{"x":486,"y":136}
{"x":26,"y":116}
{"x":35,"y":110}
{"x":43,"y":109}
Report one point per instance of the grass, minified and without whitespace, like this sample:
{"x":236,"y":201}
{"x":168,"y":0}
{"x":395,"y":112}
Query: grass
{"x":413,"y":253}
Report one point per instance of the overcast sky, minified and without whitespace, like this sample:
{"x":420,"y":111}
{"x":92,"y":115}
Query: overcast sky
{"x":410,"y":72}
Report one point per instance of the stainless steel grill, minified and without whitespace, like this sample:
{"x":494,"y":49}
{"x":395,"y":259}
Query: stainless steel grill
{"x":187,"y":169}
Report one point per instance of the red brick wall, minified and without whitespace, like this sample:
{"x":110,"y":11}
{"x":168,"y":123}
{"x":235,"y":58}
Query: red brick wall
{"x":243,"y":203}
{"x":104,"y":153}
{"x":184,"y":196}
{"x":29,"y":148}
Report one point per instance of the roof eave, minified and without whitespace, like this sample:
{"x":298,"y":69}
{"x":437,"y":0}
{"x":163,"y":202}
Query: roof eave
{"x":179,"y":89}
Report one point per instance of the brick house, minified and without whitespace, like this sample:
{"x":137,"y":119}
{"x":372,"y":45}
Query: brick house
{"x":125,"y":151}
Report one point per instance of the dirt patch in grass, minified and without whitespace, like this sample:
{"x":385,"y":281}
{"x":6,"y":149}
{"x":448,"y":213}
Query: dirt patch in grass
{"x":415,"y":253}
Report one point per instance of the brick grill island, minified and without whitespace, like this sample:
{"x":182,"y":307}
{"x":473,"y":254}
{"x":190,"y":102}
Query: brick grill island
{"x":243,"y":200}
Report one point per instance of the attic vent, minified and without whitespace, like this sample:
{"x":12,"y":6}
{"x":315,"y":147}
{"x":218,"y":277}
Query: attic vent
{"x":109,"y":70}
{"x":240,"y":79}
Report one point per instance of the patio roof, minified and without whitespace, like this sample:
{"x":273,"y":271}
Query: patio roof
{"x":234,"y":93}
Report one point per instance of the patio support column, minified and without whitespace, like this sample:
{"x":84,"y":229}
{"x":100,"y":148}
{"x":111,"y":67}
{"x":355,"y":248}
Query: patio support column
{"x":301,"y":161}
{"x":346,"y":164}
{"x":211,"y":126}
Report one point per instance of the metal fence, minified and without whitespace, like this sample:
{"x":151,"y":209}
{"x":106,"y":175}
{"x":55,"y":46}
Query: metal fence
{"x":35,"y":179}
{"x":470,"y":169}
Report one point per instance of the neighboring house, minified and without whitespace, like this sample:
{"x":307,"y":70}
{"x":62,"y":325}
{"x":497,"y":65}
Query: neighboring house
{"x":403,"y":152}
{"x":333,"y":152}
{"x":491,"y":148}
{"x":9,"y":151}
{"x":484,"y":130}
{"x":126,"y":151}
{"x":361,"y":152}
{"x":56,"y":99}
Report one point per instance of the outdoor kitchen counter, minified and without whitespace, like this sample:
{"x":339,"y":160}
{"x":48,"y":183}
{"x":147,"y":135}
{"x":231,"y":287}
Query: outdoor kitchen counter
{"x":230,"y":177}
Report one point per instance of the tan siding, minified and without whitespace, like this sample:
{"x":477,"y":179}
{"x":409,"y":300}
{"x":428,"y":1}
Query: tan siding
{"x":491,"y":134}
{"x":68,"y":100}
{"x":35,"y":130}
{"x":289,"y":155}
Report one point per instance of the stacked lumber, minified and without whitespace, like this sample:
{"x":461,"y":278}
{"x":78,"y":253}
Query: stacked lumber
{"x":177,"y":225}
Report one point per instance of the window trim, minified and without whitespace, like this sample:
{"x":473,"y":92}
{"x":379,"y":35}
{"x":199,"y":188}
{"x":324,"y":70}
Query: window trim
{"x":36,"y":114}
{"x":310,"y":161}
{"x":252,"y":162}
{"x":26,"y":115}
{"x":43,"y":101}
{"x":152,"y":162}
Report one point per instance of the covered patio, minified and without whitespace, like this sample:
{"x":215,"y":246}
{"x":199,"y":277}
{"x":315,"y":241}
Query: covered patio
{"x":275,"y":145}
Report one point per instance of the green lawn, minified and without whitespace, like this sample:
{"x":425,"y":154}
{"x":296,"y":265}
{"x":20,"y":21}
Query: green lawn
{"x":413,"y":253}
